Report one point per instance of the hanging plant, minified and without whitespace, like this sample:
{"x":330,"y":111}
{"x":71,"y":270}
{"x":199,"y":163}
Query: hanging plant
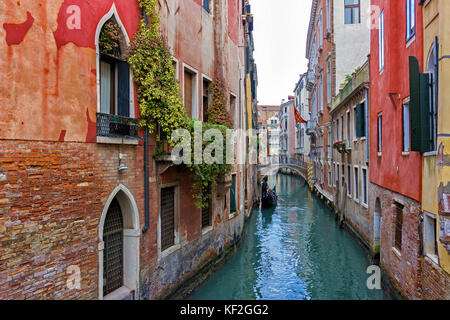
{"x":161,"y":105}
{"x":217,"y":111}
{"x":151,"y":63}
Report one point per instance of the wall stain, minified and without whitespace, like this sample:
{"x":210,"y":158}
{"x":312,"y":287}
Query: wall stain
{"x":15,"y":33}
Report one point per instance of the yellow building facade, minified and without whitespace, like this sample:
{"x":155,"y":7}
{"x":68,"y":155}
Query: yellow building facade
{"x":436,"y":165}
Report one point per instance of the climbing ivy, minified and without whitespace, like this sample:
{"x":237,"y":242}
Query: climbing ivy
{"x":160,"y":101}
{"x":151,"y":63}
{"x":217,"y":111}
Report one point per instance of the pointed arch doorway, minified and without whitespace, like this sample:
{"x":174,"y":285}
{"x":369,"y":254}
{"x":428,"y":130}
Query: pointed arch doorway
{"x":118,"y":253}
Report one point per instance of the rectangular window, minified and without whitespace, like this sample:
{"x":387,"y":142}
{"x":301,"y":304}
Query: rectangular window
{"x":406,"y":130}
{"x":114,"y":86}
{"x":356,"y":183}
{"x":328,"y":15}
{"x":188,"y":92}
{"x":343,"y":177}
{"x":348,"y":129}
{"x":355,"y":124}
{"x":329,"y":82}
{"x":334,"y":174}
{"x":410,"y":19}
{"x":167,"y":218}
{"x":342,"y":128}
{"x":206,"y":5}
{"x":352,"y":12}
{"x":398,"y":226}
{"x":364,"y":186}
{"x":429,"y":236}
{"x":381,"y":41}
{"x":321,"y":91}
{"x":206,"y":99}
{"x":337,"y":130}
{"x":233,"y":194}
{"x":349,"y":181}
{"x":233,"y":108}
{"x":206,"y":209}
{"x":380,"y":132}
{"x":329,"y":178}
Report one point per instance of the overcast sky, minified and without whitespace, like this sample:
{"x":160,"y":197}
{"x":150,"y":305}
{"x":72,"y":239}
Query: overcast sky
{"x":280,"y":31}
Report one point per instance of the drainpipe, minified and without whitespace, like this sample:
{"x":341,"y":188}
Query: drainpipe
{"x":146,"y":183}
{"x":146,"y":173}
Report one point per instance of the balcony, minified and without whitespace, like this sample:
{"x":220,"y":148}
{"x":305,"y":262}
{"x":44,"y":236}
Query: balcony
{"x":310,"y":80}
{"x":359,"y":77}
{"x":112,"y":128}
{"x":310,"y":127}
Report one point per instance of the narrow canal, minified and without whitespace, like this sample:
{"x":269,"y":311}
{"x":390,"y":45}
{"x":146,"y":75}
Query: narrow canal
{"x":293,"y":252}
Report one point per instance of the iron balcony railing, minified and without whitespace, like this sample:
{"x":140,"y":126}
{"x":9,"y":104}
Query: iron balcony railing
{"x":109,"y":125}
{"x":359,"y":77}
{"x":310,"y":80}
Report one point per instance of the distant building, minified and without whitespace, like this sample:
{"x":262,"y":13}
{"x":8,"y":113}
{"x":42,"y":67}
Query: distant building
{"x":287,"y":129}
{"x":302,"y":141}
{"x":269,"y":129}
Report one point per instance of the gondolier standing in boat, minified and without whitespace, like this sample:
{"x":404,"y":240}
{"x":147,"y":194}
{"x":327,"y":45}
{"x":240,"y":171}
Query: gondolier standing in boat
{"x":264,"y":187}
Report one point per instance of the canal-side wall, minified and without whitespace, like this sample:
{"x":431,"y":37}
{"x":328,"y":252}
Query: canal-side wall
{"x":177,"y":274}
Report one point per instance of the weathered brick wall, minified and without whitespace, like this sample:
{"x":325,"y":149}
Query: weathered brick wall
{"x":51,"y":198}
{"x":402,"y":269}
{"x":435,"y":282}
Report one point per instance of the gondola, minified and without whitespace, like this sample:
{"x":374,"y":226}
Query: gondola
{"x":269,"y":199}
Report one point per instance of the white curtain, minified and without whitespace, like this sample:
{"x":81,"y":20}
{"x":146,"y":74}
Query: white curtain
{"x":105,"y":88}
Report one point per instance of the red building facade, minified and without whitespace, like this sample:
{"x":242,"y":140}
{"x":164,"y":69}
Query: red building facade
{"x":66,"y":173}
{"x":395,"y":170}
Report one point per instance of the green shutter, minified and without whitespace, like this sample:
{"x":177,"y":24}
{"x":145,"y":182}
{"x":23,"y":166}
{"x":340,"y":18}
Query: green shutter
{"x":233,"y":194}
{"x":123,"y":87}
{"x":419,"y":108}
{"x":360,"y":121}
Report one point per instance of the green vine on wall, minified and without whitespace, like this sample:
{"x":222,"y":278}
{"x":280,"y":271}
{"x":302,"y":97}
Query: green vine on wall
{"x":217,"y":111}
{"x":110,"y":37}
{"x":160,"y":101}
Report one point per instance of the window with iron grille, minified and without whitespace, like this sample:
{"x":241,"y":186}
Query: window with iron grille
{"x":398,"y":226}
{"x":113,"y":252}
{"x":167,"y":218}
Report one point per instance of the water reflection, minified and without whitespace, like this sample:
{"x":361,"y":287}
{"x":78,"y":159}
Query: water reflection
{"x":294,"y":251}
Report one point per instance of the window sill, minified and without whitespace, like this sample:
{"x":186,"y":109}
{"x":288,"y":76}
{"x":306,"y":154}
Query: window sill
{"x":410,"y":40}
{"x":433,"y":258}
{"x":396,"y":252}
{"x":123,"y":293}
{"x":170,"y":250}
{"x":379,"y":154}
{"x":109,"y":140}
{"x":233,"y":215}
{"x":207,"y":230}
{"x":430,"y":154}
{"x":365,"y":205}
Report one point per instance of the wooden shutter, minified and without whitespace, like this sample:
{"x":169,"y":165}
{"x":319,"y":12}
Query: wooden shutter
{"x":188,"y":93}
{"x":419,"y":108}
{"x":206,"y":210}
{"x":123,"y":86}
{"x":233,"y":194}
{"x":167,"y":218}
{"x":360,"y":121}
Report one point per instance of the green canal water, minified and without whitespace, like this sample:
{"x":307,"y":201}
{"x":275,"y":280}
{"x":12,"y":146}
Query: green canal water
{"x":293,"y":252}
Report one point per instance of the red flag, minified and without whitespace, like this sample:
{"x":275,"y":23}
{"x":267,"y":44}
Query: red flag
{"x":298,"y":117}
